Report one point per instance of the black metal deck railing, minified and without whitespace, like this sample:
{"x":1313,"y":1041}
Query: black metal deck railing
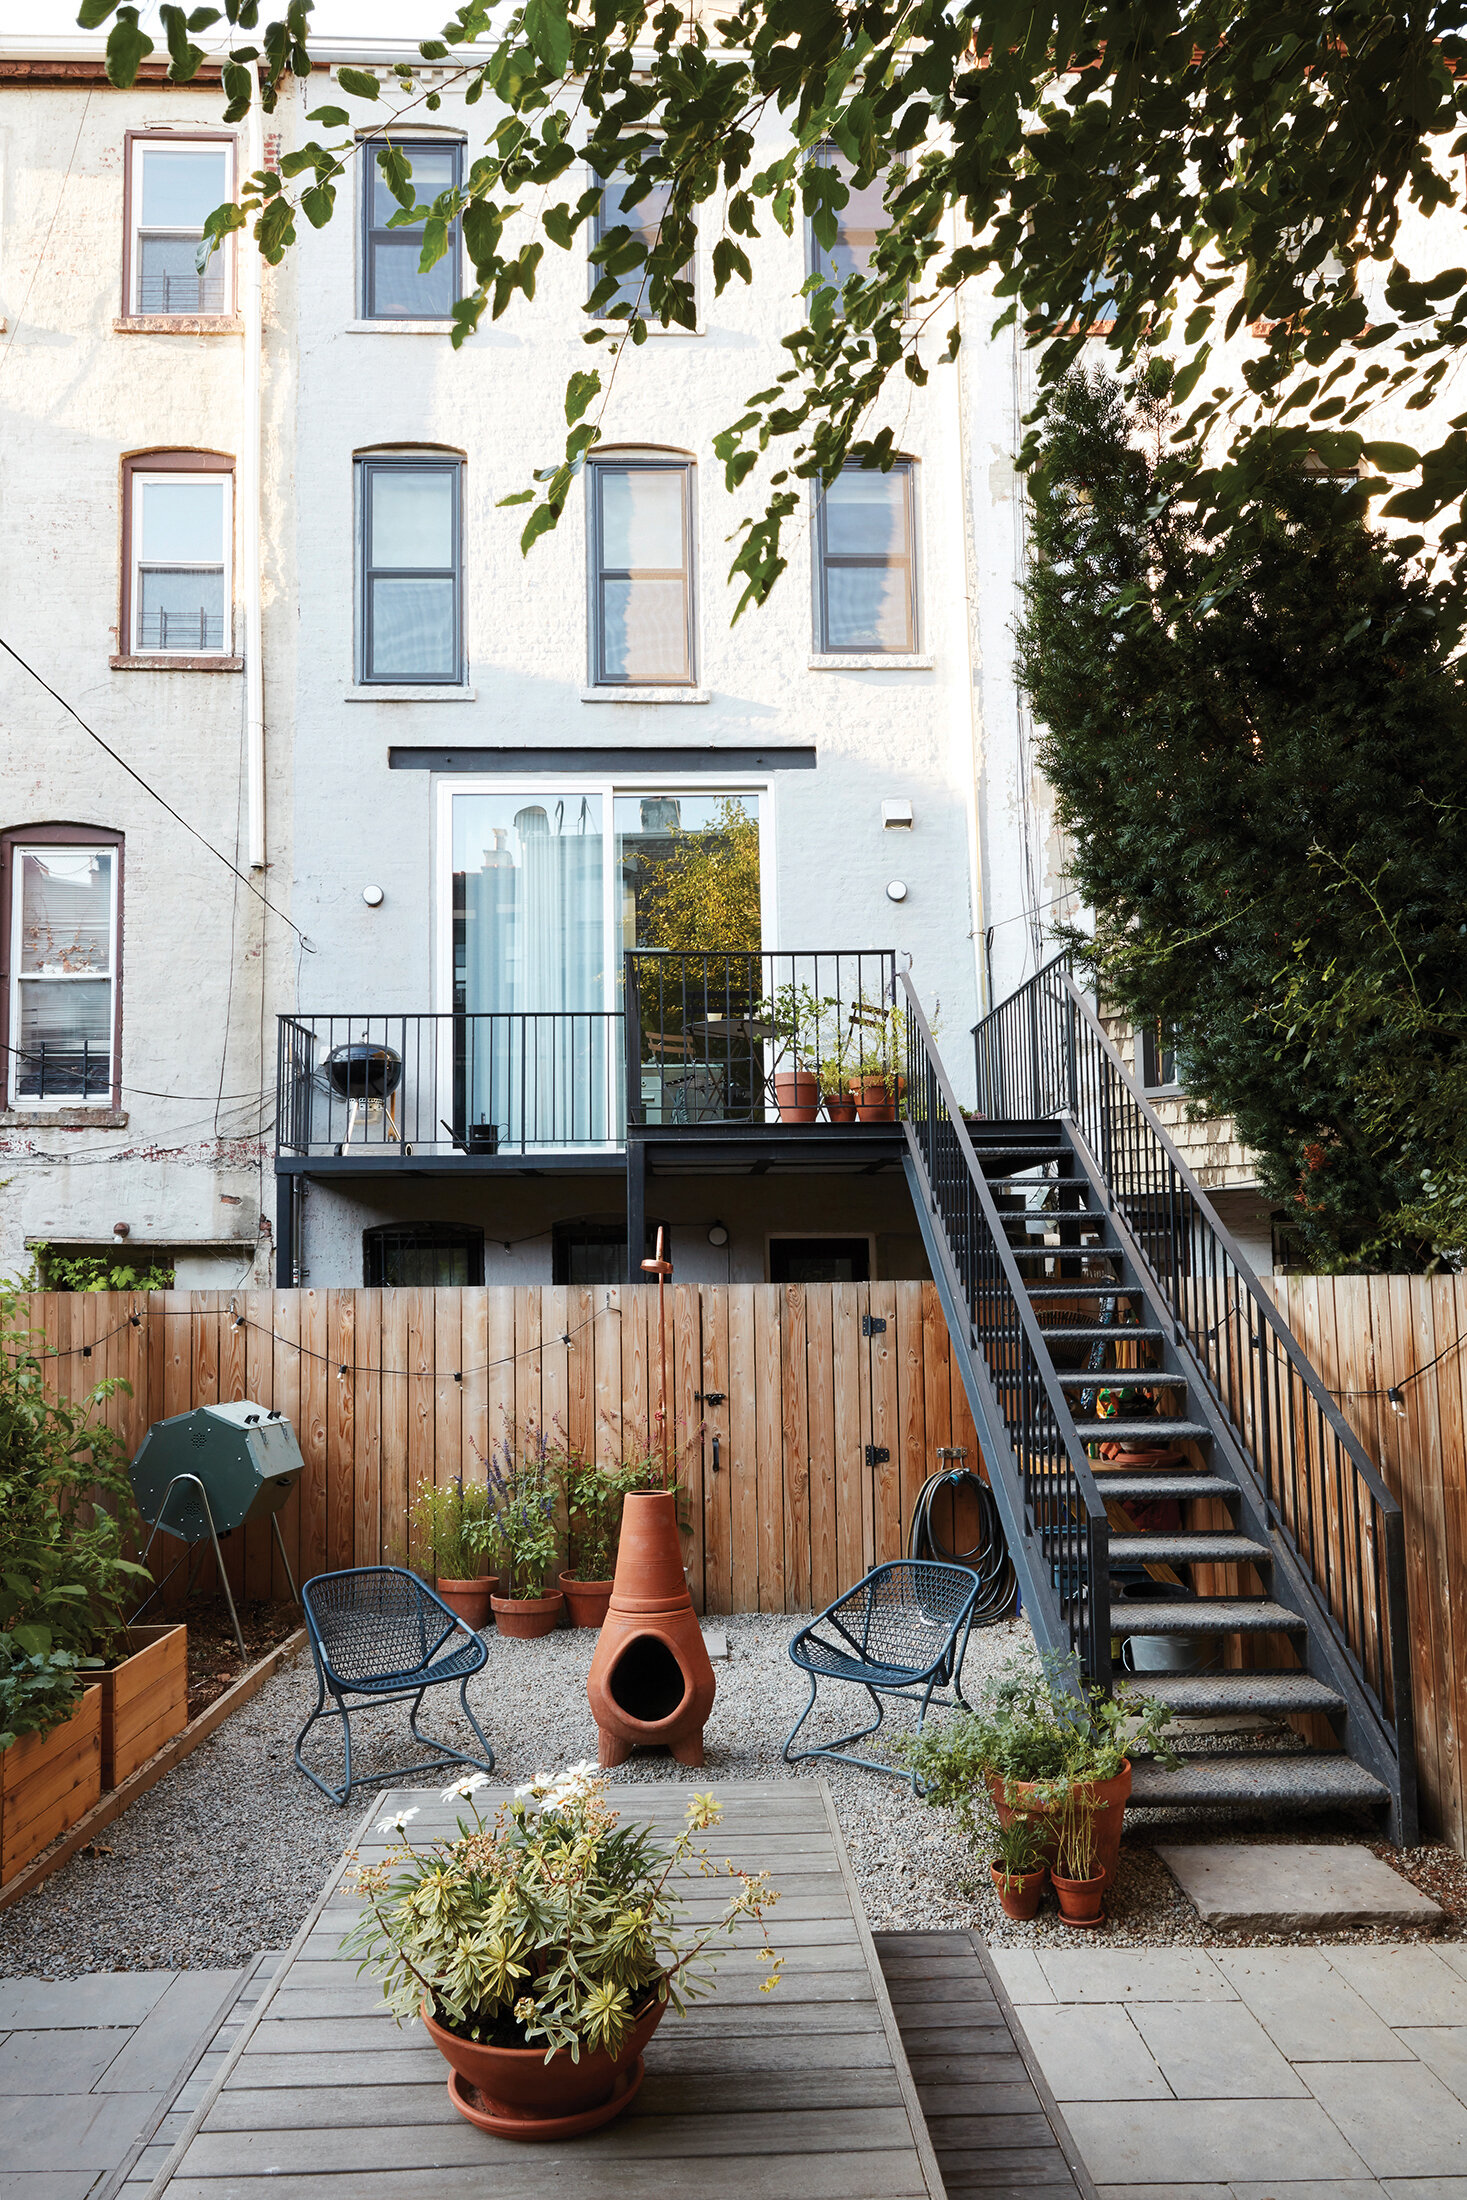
{"x":758,"y":1037}
{"x":1044,"y":1052}
{"x":474,"y":1084}
{"x":1034,"y":1449}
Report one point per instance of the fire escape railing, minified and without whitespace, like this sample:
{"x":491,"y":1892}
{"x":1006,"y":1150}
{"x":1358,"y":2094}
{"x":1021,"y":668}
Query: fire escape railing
{"x":1044,"y":1052}
{"x":1036,"y":1461}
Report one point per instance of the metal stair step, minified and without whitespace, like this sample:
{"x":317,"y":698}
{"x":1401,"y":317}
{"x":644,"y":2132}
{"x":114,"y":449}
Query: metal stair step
{"x":1304,"y":1777}
{"x":1152,"y":1488}
{"x":1087,"y":1287}
{"x":1105,"y":1333}
{"x":1204,"y":1616}
{"x":1067,"y":1252}
{"x":1161,"y":1430}
{"x":1215,"y":1695}
{"x":1119,"y":1378}
{"x":1187,"y":1547}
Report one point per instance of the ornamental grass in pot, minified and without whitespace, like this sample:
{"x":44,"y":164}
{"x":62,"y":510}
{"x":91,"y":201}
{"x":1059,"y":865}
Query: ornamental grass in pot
{"x":522,"y":1534}
{"x":1077,"y":1875}
{"x":542,"y":1947}
{"x":448,"y":1525}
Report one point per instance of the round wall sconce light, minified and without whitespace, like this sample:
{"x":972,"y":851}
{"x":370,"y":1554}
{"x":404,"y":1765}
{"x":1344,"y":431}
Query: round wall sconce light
{"x":896,"y":890}
{"x":373,"y":896}
{"x":717,"y":1235}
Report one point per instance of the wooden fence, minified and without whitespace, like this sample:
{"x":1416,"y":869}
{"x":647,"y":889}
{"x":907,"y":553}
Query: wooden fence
{"x":1367,"y":1335}
{"x":808,"y":1415}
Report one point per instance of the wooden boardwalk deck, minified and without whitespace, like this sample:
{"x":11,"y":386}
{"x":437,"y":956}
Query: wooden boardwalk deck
{"x":803,"y":2094}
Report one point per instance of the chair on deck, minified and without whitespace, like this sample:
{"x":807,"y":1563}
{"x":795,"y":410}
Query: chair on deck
{"x":380,"y":1634}
{"x":903,"y":1631}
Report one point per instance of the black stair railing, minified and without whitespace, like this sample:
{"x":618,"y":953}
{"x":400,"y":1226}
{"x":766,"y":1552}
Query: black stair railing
{"x":1033,"y":1451}
{"x":1044,"y":1052}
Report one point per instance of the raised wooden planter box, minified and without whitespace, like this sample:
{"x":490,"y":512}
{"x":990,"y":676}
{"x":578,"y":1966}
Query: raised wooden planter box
{"x":144,"y":1700}
{"x":46,"y":1784}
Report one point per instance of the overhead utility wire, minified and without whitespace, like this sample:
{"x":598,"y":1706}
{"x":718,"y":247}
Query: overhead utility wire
{"x":147,"y":788}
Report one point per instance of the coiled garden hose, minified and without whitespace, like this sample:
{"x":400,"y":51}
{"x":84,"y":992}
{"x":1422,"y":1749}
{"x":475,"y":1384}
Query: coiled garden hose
{"x":989,"y":1556}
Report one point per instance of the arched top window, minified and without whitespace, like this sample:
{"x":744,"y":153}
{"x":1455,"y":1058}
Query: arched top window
{"x":61,"y":953}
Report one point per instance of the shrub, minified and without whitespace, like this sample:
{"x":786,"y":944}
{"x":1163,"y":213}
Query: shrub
{"x":448,"y":1525}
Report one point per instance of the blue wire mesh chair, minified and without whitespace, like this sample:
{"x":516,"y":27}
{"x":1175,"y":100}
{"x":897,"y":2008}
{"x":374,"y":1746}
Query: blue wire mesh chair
{"x":903,"y":1631}
{"x":380,"y":1634}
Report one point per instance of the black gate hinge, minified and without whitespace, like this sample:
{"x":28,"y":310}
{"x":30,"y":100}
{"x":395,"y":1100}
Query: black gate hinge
{"x":873,"y":1325}
{"x":710,"y":1397}
{"x":877,"y":1455}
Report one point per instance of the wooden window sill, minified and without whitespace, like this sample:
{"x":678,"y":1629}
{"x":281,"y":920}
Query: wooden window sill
{"x":63,"y":1119}
{"x":178,"y":324}
{"x":176,"y":662}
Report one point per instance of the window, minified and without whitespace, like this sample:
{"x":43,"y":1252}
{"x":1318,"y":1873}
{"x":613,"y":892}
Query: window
{"x":173,"y":184}
{"x":61,"y":890}
{"x":643,"y":219}
{"x":594,"y":1252}
{"x":1100,"y":298}
{"x":392,"y":286}
{"x":1158,"y":1058}
{"x":410,"y":618}
{"x":867,"y":550}
{"x":178,"y":527}
{"x":820,"y":1260}
{"x":421,"y":1255}
{"x":641,"y":572}
{"x":858,"y":224}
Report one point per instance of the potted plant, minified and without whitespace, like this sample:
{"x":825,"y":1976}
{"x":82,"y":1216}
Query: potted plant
{"x":542,"y":1949}
{"x":793,"y":1016}
{"x":836,"y":1045}
{"x":1077,"y":1875}
{"x":1016,"y":1865}
{"x":593,"y":1501}
{"x":876,"y":1083}
{"x":448,"y":1525}
{"x":521,"y":1537}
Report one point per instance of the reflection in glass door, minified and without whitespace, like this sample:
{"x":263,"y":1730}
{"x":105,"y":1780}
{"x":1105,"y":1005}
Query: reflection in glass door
{"x":530,"y":1054}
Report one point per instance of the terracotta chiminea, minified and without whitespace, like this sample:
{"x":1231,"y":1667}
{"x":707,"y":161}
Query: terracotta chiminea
{"x":650,"y":1679}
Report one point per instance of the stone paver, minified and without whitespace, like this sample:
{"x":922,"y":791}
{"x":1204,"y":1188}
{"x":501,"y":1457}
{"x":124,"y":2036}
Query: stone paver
{"x":1404,"y":1985}
{"x":59,"y":2062}
{"x":1024,"y":1981}
{"x":1443,"y":2048}
{"x":1092,"y":2054}
{"x":1399,"y":2117}
{"x":1124,"y":1974}
{"x":103,"y":1998}
{"x":1287,"y":1886}
{"x":1188,"y":2142}
{"x":1212,"y":2052}
{"x":1309,"y":2011}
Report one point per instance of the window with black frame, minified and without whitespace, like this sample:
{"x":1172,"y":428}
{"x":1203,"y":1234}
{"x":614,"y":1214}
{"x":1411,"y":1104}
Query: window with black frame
{"x":410,"y":554}
{"x":393,"y":285}
{"x":866,"y":597}
{"x":641,"y":220}
{"x":1159,"y":1058}
{"x":858,"y":224}
{"x":641,"y":513}
{"x":420,"y":1256}
{"x":587,"y":1252}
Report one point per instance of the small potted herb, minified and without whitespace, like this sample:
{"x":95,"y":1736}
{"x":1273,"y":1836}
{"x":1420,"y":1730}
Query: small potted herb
{"x":793,"y":1016}
{"x":520,"y":1535}
{"x":593,"y":1501}
{"x":448,"y":1523}
{"x":1016,"y":1865}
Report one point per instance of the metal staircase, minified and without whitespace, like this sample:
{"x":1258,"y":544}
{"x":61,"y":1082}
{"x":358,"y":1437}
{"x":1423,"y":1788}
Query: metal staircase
{"x":1096,"y":1300}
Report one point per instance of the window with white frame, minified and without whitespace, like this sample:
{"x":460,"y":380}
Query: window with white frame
{"x":63,"y":941}
{"x":393,"y":286}
{"x":866,"y":592}
{"x":625,"y":224}
{"x":410,"y":559}
{"x":179,"y":523}
{"x":641,"y":542}
{"x":174,"y":184}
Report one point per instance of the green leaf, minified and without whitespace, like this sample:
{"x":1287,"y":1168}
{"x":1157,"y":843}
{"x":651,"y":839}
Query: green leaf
{"x":92,"y":14}
{"x":128,"y":48}
{"x":359,"y":84}
{"x":1392,"y":458}
{"x":540,"y":522}
{"x":330,"y":118}
{"x":547,"y":26}
{"x":579,"y":392}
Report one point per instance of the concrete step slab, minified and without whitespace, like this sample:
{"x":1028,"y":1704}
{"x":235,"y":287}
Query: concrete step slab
{"x":1295,"y":1886}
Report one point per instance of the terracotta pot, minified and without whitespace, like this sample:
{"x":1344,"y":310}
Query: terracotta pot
{"x":840,"y":1108}
{"x":1109,"y":1797}
{"x":797,"y":1094}
{"x":526,"y":1617}
{"x":1152,"y":1457}
{"x":1080,"y":1899}
{"x":516,"y":2093}
{"x":470,"y":1599}
{"x":875,"y":1100}
{"x":1018,"y":1892}
{"x":650,"y":1679}
{"x":586,"y":1601}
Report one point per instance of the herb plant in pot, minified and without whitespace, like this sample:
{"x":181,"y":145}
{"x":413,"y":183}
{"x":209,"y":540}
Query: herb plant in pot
{"x":793,"y":1015}
{"x":1016,"y":1866}
{"x":448,"y":1527}
{"x":593,"y":1502}
{"x":542,"y":1948}
{"x":521,"y":1535}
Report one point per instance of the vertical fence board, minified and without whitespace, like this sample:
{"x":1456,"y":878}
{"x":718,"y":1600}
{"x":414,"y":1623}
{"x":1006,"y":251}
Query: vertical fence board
{"x":819,"y":1341}
{"x":419,"y":1365}
{"x":850,"y":1413}
{"x":280,"y":1312}
{"x":316,"y":1371}
{"x":795,"y":1464}
{"x":743,"y":1447}
{"x":769,"y":1439}
{"x":886,"y":1501}
{"x":341,"y":1430}
{"x":915,"y":1457}
{"x":685,"y":1350}
{"x":499,"y":1402}
{"x":396,"y":1544}
{"x":554,"y":1361}
{"x":607,"y":1393}
{"x":366,"y":1494}
{"x":580,"y":1410}
{"x":718,"y":1484}
{"x":448,"y":1387}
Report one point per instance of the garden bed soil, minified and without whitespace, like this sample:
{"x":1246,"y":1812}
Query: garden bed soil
{"x":213,"y":1654}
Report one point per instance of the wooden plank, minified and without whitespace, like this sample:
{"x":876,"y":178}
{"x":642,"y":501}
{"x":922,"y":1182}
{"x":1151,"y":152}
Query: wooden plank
{"x":317,"y":1370}
{"x":341,"y":1429}
{"x":819,"y":1351}
{"x":769,"y":1445}
{"x":554,"y":1362}
{"x":638,"y":1382}
{"x":863,"y":1400}
{"x":366,"y":1492}
{"x":794,"y":1378}
{"x":686,"y":1354}
{"x":848,"y":1371}
{"x":171,"y":1345}
{"x":608,"y":1375}
{"x":499,"y":1407}
{"x":528,"y":1364}
{"x":580,"y":1412}
{"x":912,"y":1457}
{"x":396,"y":1418}
{"x":1451,"y":1436}
{"x":421,"y":1333}
{"x":718,"y":1485}
{"x":1423,"y":1422}
{"x":743,"y":1449}
{"x":888,"y":1524}
{"x":448,"y":1386}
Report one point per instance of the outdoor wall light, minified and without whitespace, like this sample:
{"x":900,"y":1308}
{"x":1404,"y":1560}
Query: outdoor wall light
{"x":718,"y":1235}
{"x":373,"y":896}
{"x":896,"y":889}
{"x":896,"y":814}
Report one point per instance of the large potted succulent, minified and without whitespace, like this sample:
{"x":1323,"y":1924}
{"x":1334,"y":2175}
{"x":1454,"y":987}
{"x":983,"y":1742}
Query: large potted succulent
{"x":449,"y":1523}
{"x":1035,"y":1735}
{"x":542,"y":1948}
{"x":521,"y":1534}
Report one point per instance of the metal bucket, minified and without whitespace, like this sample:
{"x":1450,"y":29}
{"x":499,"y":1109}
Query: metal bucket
{"x":1164,"y":1653}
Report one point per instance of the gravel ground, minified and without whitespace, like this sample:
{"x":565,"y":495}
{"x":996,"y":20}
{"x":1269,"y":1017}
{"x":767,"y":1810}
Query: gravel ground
{"x":226,"y":1855}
